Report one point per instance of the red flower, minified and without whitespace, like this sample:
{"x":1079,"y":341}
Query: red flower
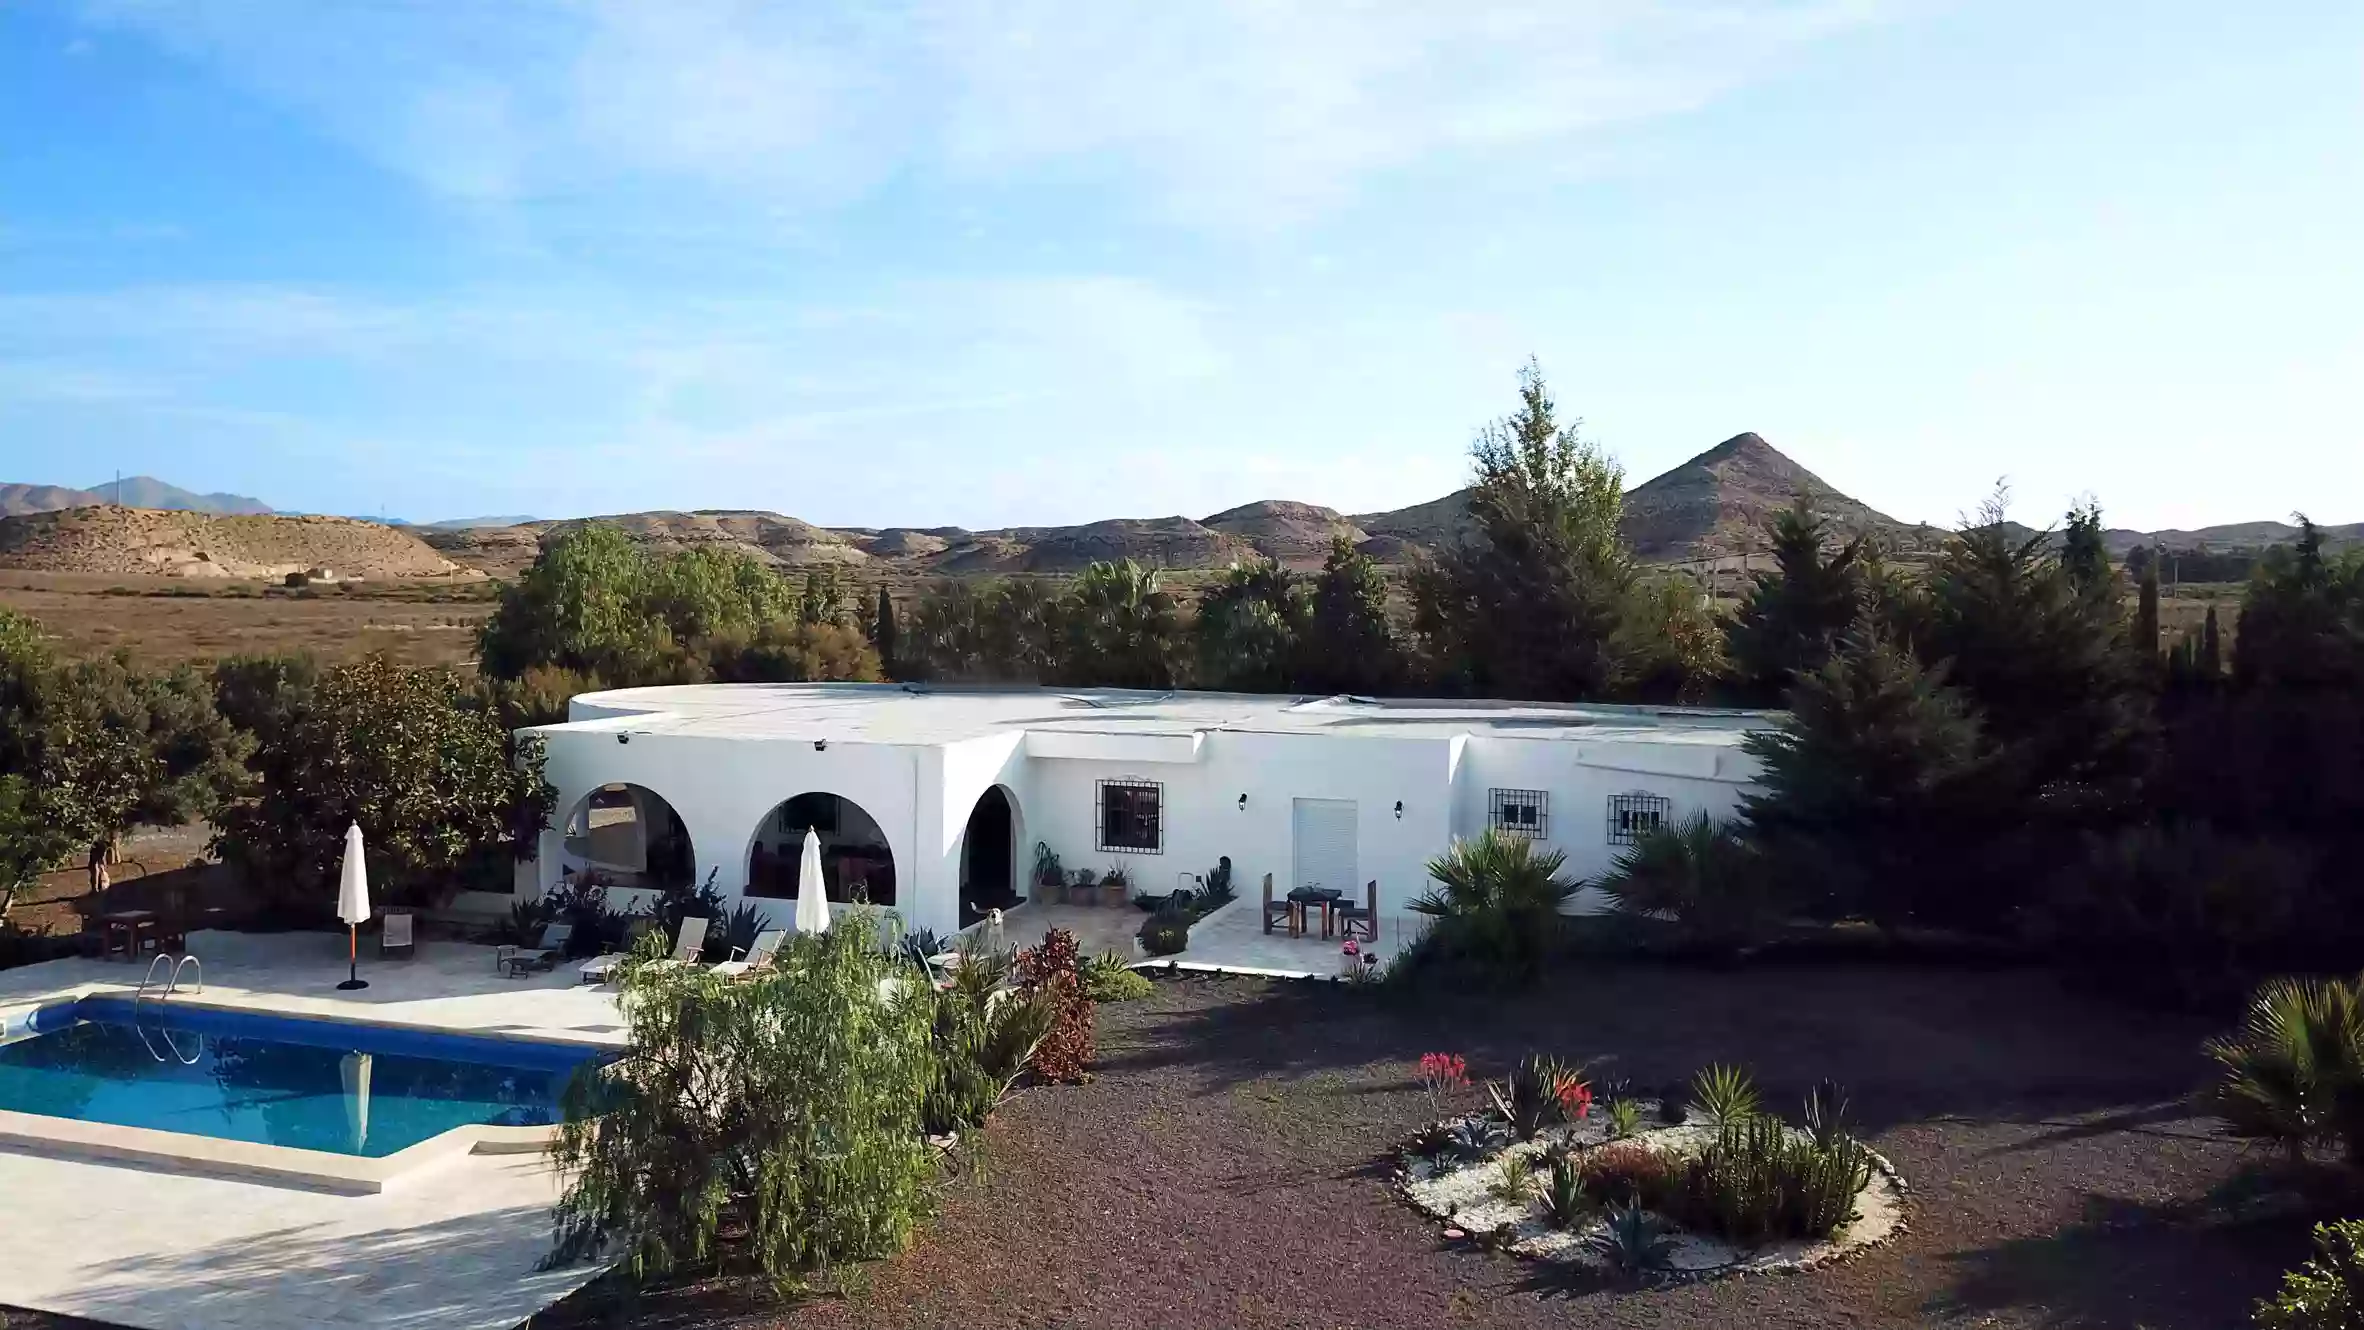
{"x":1575,"y":1099}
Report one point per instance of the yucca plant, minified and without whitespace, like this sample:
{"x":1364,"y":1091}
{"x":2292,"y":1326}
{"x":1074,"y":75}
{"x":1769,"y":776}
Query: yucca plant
{"x":1625,"y":1118}
{"x":1514,"y":1179}
{"x":1533,"y":1096}
{"x":2294,"y":1072}
{"x":1564,"y":1198}
{"x":1724,"y":1094}
{"x":1633,"y":1243}
{"x":1827,"y":1113}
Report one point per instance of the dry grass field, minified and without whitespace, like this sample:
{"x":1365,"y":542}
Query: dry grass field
{"x":164,"y":619}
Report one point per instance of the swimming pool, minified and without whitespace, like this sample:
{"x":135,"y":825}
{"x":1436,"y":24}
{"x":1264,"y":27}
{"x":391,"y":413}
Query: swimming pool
{"x":357,"y":1090}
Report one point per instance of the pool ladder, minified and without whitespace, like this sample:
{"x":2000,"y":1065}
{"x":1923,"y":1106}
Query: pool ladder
{"x":172,"y":980}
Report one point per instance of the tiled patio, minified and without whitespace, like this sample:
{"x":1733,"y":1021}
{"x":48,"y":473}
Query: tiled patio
{"x":454,"y":1248}
{"x":1232,"y":939}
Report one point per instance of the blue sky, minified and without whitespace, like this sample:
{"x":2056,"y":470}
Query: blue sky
{"x":955,"y":262}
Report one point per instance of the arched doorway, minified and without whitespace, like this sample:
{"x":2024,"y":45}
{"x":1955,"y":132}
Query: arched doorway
{"x":989,"y":857}
{"x":856,"y":864}
{"x":631,"y":836}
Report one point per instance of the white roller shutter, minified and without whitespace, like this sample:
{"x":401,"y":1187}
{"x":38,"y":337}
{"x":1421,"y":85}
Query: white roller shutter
{"x":1324,"y":854}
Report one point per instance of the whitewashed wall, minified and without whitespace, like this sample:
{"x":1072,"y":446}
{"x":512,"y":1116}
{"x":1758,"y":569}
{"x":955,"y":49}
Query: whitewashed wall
{"x":1580,"y":777}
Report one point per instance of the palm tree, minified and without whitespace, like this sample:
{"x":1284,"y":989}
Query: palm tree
{"x":1249,"y":629}
{"x":1701,"y":875}
{"x":2294,"y":1073}
{"x":1495,"y":874}
{"x":1123,"y":628}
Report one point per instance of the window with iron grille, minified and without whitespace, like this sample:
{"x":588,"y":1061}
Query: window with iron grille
{"x":1633,"y":816}
{"x":1519,"y":813}
{"x":1131,"y":816}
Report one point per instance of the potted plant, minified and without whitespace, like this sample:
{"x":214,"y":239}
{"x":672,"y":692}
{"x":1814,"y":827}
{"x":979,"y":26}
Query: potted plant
{"x":1081,"y":887}
{"x":1115,"y":888}
{"x":1050,"y":878}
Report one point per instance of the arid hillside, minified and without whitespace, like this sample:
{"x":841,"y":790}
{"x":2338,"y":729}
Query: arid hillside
{"x":108,"y":539}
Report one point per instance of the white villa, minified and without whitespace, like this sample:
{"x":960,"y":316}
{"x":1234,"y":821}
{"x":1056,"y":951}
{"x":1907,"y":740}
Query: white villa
{"x":932,"y":800}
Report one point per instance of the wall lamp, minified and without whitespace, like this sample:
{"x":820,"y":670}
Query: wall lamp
{"x":820,"y":745}
{"x":623,"y":738}
{"x":1399,"y":810}
{"x":1243,"y":803}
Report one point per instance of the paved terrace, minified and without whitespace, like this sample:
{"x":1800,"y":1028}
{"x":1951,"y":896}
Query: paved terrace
{"x":451,"y":1250}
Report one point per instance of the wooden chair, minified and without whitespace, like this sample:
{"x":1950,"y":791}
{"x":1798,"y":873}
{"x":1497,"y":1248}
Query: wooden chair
{"x":1360,"y":923}
{"x":1283,"y":909}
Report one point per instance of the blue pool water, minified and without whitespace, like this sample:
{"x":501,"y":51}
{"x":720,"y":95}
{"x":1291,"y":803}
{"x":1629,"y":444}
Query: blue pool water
{"x":276,"y":1080}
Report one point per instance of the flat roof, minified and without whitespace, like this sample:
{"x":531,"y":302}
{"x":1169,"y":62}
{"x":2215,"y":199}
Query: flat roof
{"x":931,"y":714}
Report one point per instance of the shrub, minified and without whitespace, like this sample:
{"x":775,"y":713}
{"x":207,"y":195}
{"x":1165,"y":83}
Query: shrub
{"x":1052,"y":971}
{"x":981,"y":1041}
{"x":1108,"y":979}
{"x":2327,"y":1293}
{"x":1629,"y":1173}
{"x":1758,"y":1183}
{"x":1496,"y":903}
{"x":1723,"y":1094}
{"x":1215,"y":891}
{"x":2294,"y":1073}
{"x":738,"y":931}
{"x":1633,"y":1243}
{"x":581,"y":900}
{"x":784,"y":1107}
{"x":1167,"y":932}
{"x":1701,"y":876}
{"x":680,"y":899}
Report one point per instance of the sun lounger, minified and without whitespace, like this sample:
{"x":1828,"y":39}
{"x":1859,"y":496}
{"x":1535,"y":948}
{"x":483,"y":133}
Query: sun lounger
{"x":758,"y":956}
{"x":518,"y":962}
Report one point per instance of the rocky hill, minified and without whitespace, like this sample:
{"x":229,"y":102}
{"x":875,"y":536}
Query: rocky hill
{"x":163,"y":542}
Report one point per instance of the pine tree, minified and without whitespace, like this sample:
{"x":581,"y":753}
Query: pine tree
{"x":1870,"y":791}
{"x":882,"y":632}
{"x":1349,"y":645}
{"x":1798,"y":609}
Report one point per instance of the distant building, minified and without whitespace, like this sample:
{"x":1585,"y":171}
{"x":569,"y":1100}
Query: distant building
{"x":932,"y":800}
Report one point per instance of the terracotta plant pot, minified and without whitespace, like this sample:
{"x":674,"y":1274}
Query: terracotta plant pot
{"x":1114,"y":894}
{"x":1050,"y":893}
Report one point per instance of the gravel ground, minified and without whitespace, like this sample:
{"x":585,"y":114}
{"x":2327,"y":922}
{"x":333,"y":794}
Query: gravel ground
{"x":1227,"y":1167}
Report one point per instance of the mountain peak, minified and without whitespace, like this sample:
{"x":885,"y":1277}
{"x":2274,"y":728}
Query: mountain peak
{"x":1744,"y":446}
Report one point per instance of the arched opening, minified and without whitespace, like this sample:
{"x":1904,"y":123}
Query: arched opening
{"x":631,"y":836}
{"x":856,"y":865}
{"x":989,"y":857}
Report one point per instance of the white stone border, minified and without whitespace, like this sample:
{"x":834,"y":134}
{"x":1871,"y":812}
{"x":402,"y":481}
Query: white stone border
{"x":1460,"y":1197}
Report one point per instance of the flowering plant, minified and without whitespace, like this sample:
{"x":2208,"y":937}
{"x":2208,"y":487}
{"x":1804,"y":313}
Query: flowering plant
{"x":1575,"y":1099}
{"x":1441,"y":1073}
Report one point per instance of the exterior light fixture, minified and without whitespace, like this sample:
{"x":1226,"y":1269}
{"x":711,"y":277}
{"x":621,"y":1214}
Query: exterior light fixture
{"x":623,"y":738}
{"x":1243,"y":803}
{"x":820,"y":745}
{"x":1399,"y":810}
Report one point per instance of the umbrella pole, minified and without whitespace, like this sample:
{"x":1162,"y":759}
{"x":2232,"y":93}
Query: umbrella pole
{"x":353,"y":977}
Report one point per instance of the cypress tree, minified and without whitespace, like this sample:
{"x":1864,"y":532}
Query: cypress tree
{"x":2146,"y":618}
{"x":882,"y":631}
{"x":2211,"y":649}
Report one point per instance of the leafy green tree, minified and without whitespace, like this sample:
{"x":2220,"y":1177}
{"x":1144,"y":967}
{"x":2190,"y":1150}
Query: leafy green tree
{"x":1349,"y":645}
{"x":705,"y":591}
{"x":770,"y":1124}
{"x":258,"y":693}
{"x":581,"y":605}
{"x":1123,"y":629}
{"x":788,"y":651}
{"x":826,"y":599}
{"x":1870,"y":792}
{"x":2302,"y":618}
{"x":442,"y":791}
{"x":1250,"y":629}
{"x":1795,"y":613}
{"x":2083,"y":556}
{"x":1529,"y":605}
{"x":883,"y":631}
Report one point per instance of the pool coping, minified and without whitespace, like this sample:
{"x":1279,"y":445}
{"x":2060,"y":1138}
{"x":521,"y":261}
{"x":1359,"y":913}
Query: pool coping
{"x":253,"y":1161}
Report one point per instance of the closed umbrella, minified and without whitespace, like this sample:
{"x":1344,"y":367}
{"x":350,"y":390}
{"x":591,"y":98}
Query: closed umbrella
{"x":353,"y":905}
{"x":812,"y":894}
{"x":356,"y":1068}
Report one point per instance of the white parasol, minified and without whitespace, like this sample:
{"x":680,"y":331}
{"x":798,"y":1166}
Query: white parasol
{"x":355,"y":1068}
{"x":812,"y":894}
{"x":353,"y":904}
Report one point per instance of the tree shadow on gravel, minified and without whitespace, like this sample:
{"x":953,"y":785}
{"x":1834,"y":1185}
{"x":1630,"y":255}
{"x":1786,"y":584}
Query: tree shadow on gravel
{"x":2128,"y":1266}
{"x":1910,"y":1043}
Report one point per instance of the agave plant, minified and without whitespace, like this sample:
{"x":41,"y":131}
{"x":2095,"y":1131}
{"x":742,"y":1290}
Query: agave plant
{"x":1724,"y":1094}
{"x":1476,"y":1137}
{"x":1633,"y":1243}
{"x":2294,"y":1072}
